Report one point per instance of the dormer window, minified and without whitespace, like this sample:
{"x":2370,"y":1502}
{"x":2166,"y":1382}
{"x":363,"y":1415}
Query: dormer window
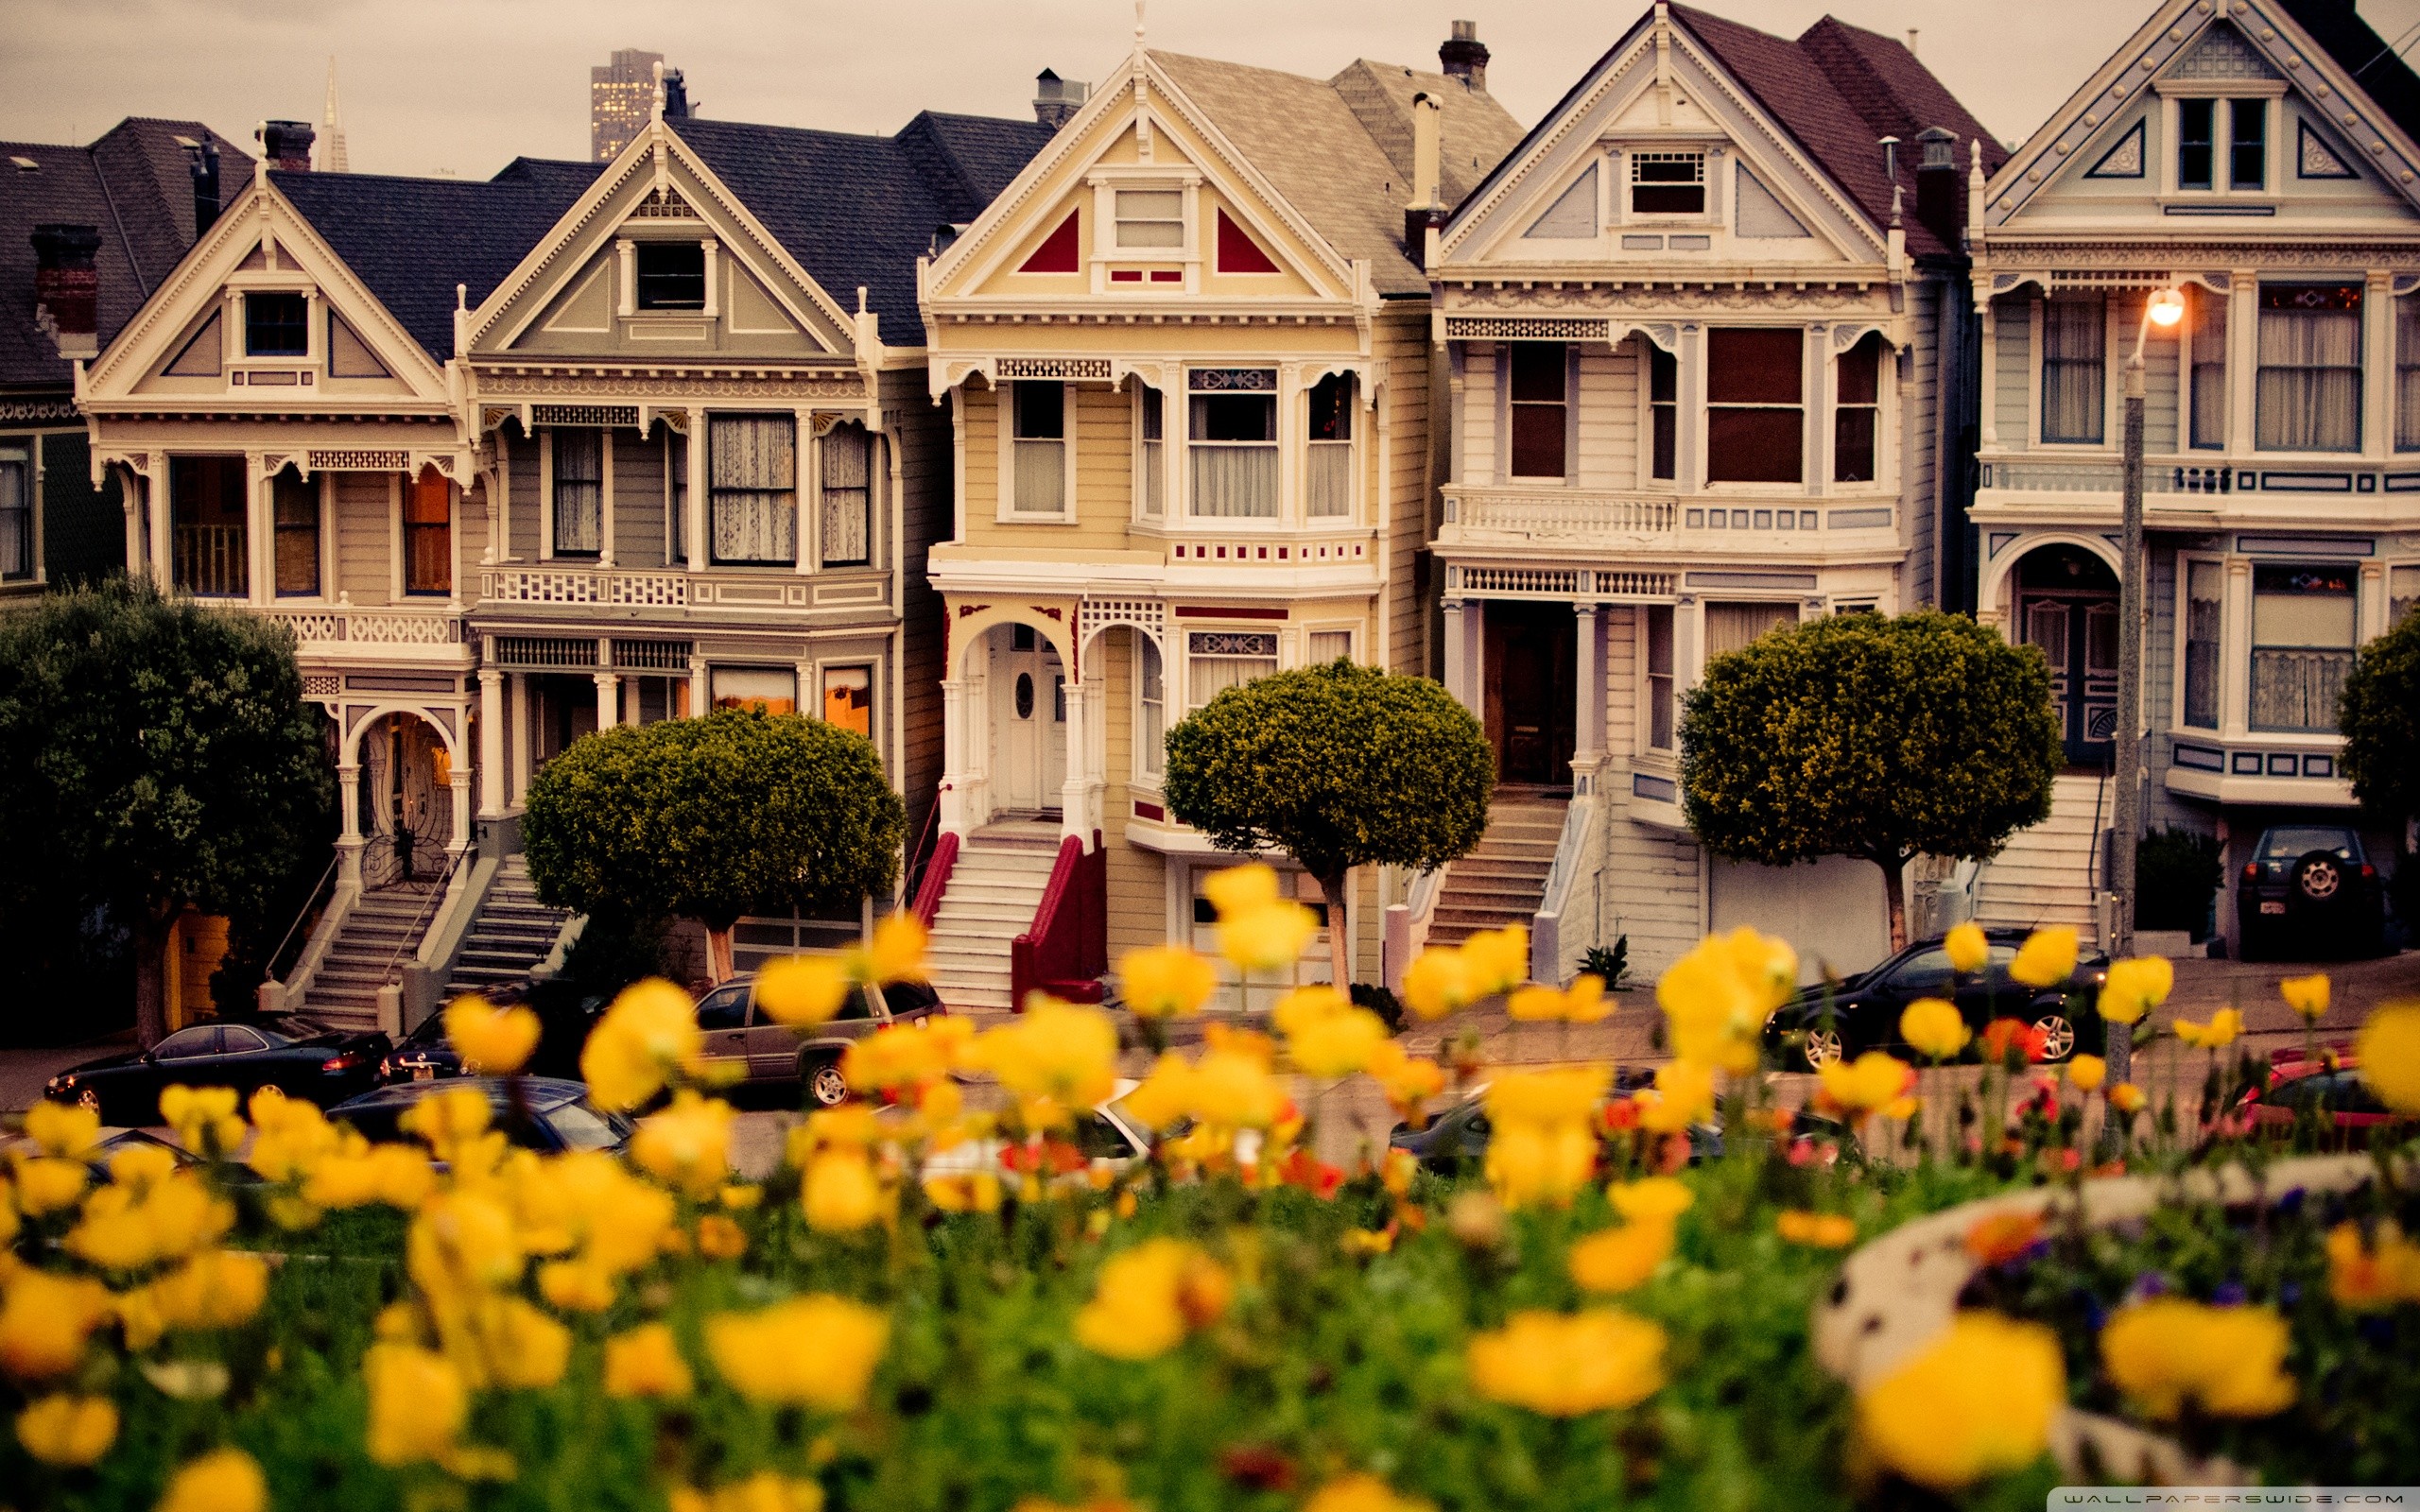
{"x":1667,"y":184}
{"x":276,"y":325}
{"x":671,"y":275}
{"x":2244,"y":161}
{"x":1151,"y":218}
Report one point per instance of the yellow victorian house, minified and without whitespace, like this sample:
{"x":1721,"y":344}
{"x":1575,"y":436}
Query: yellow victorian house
{"x":1187,"y":357}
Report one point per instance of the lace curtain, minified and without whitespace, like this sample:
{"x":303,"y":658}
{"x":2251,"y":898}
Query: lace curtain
{"x":2075,"y":332}
{"x":1234,"y":482}
{"x":752,"y":488}
{"x":2308,"y":396}
{"x":580,"y":492}
{"x":848,"y":497}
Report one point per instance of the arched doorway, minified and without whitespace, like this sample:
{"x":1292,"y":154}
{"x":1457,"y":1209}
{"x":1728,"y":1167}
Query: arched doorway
{"x":2067,"y":603}
{"x":405,"y":813}
{"x":1027,"y":709}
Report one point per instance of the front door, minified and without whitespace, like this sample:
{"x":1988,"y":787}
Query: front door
{"x":2078,"y":635}
{"x":1531,"y":697}
{"x":1029,"y":722}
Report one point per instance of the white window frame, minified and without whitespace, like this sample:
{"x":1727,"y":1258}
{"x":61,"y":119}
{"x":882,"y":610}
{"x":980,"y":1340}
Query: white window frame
{"x":1632,"y":156}
{"x":1142,"y":481}
{"x":1105,"y":181}
{"x":1647,"y":749}
{"x":1005,"y":511}
{"x":873,"y":499}
{"x":871,"y":662}
{"x":1282,"y":396}
{"x":1185,"y":632}
{"x":2111,"y":375}
{"x":1350,"y":630}
{"x":1149,"y":772}
{"x":1351,"y":446}
{"x":22,"y":458}
{"x":2269,"y":92}
{"x":1570,"y":476}
{"x":2182,"y":610}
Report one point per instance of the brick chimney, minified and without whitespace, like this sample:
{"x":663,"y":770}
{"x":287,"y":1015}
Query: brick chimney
{"x":1056,"y":100}
{"x":67,"y":287}
{"x":1464,"y":57}
{"x":203,"y":160}
{"x":1941,"y":191}
{"x":287,"y":145}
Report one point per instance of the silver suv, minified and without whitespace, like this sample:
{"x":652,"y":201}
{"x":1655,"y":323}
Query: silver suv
{"x":737,"y":1034}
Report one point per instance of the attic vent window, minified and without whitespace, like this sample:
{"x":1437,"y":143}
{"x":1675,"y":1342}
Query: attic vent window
{"x":25,"y":164}
{"x":1667,"y":184}
{"x":276,"y":325}
{"x":671,"y":275}
{"x":1151,"y":217}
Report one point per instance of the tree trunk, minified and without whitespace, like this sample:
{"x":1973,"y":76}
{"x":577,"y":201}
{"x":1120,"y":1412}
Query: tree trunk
{"x":1337,"y":890}
{"x":1894,"y":888}
{"x":720,"y":967}
{"x":151,"y":981}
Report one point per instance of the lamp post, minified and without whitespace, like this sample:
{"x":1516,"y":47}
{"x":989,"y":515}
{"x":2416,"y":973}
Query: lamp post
{"x":2164,"y":309}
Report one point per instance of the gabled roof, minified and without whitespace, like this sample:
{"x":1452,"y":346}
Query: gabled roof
{"x":1839,"y":89}
{"x":133,"y":186}
{"x":411,"y":240}
{"x":2381,"y":72}
{"x":858,"y":211}
{"x":1323,"y":145}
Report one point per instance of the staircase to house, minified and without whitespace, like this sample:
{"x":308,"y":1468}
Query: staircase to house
{"x":375,"y":941}
{"x":1504,"y":879}
{"x":2047,"y":872}
{"x":513,"y":932}
{"x":993,"y":891}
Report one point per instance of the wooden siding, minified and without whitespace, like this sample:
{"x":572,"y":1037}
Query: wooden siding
{"x":1479,"y":413}
{"x":1608,"y":396}
{"x":1919,"y":474}
{"x":919,"y":433}
{"x":522,"y":455}
{"x":2013,"y":380}
{"x":365,"y":520}
{"x":638,"y":497}
{"x":1413,"y":407}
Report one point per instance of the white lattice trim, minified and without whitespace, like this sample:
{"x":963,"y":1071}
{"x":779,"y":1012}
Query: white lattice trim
{"x":1148,"y":616}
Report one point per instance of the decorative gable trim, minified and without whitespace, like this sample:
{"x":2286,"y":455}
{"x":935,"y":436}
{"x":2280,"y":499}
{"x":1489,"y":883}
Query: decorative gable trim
{"x":2127,"y":159}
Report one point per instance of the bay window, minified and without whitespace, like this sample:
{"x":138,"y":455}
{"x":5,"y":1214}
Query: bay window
{"x":2306,"y":396}
{"x":1218,"y":659}
{"x":2075,"y":347}
{"x":16,"y":515}
{"x":2303,"y":636}
{"x":2206,"y":340}
{"x":2204,"y":589}
{"x":1232,"y":437}
{"x":751,"y":488}
{"x":848,"y":497}
{"x":1658,"y":660}
{"x":1150,"y":489}
{"x":1150,"y":708}
{"x":1664,"y":410}
{"x":773,"y":690}
{"x":429,"y":537}
{"x":2402,"y":593}
{"x":580,"y":491}
{"x":1038,"y":448}
{"x":1731,"y":626}
{"x":2406,"y":373}
{"x":1320,"y":647}
{"x":1327,"y":466}
{"x":1857,"y":410}
{"x":1541,"y":403}
{"x":294,"y":513}
{"x":1755,"y":416}
{"x":848,"y":699}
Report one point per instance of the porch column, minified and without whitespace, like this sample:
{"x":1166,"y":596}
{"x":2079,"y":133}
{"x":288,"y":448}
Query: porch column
{"x":2234,"y":654}
{"x":697,"y":686}
{"x":1458,"y":678}
{"x":957,"y":816}
{"x":155,"y":493}
{"x":461,"y":841}
{"x":694,"y":522}
{"x":260,"y":550}
{"x":521,"y":739}
{"x":491,"y":775}
{"x":1588,"y":674}
{"x":1989,"y":409}
{"x":609,"y":700}
{"x":348,"y":818}
{"x":1074,"y":792}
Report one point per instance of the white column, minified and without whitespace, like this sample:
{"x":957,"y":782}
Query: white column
{"x":491,"y":774}
{"x":461,"y":841}
{"x":696,"y":523}
{"x":155,"y":493}
{"x":2378,"y":367}
{"x":957,"y":815}
{"x":520,"y":738}
{"x":2235,"y":650}
{"x":1072,"y":793}
{"x":1588,"y":676}
{"x":349,"y":816}
{"x":1458,"y":672}
{"x":259,"y":534}
{"x":1990,"y":432}
{"x":608,"y":700}
{"x":697,"y":689}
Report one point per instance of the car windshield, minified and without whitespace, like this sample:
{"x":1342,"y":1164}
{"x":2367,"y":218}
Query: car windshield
{"x":430,"y":1033}
{"x":583,"y":1127}
{"x":295,"y":1026}
{"x":2298,"y":840}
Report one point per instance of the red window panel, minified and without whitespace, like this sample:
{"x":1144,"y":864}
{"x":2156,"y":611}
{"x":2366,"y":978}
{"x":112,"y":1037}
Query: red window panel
{"x":1239,"y":252}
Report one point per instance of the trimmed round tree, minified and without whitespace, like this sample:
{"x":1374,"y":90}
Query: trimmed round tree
{"x":1864,"y":736}
{"x":2379,"y":713}
{"x":1338,"y":766}
{"x":714,"y":818}
{"x":154,"y":756}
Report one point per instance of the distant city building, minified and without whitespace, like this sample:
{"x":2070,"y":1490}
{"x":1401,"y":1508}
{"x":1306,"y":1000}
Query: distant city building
{"x":332,"y":153}
{"x":622,"y":94}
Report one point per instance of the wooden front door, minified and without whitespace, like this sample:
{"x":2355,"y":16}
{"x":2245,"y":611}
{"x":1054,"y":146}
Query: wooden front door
{"x":2078,"y":634}
{"x":1531,"y":702}
{"x":1029,"y":722}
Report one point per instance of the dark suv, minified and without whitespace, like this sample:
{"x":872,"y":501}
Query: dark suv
{"x":738,"y":1035}
{"x":1864,"y":1010}
{"x":2310,"y":885}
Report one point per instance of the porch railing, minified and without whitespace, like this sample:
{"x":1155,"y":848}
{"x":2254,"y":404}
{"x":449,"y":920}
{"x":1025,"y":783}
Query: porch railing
{"x":1068,"y":949}
{"x":935,"y":881}
{"x":1570,"y":896}
{"x":607,"y":586}
{"x":210,"y":560}
{"x":297,"y":933}
{"x":356,"y":626}
{"x":1558,"y":514}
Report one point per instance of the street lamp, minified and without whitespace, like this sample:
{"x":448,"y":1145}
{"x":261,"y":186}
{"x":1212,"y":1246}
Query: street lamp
{"x":2164,"y":309}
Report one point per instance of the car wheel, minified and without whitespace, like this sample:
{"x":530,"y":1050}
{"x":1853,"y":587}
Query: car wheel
{"x":90,"y":1098}
{"x":2058,"y":1036}
{"x":1821,"y":1047}
{"x":2319,"y":877}
{"x":824,"y":1083}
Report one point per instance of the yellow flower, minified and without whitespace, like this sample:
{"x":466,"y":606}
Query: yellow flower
{"x":63,"y":1129}
{"x":2307,"y":995}
{"x":1969,"y":950}
{"x":1816,"y":1231}
{"x":1267,"y":939}
{"x":44,"y":1319}
{"x":216,"y":1289}
{"x":1871,"y":1082}
{"x":1682,"y":1095}
{"x":417,"y":1404}
{"x":1437,"y":981}
{"x":646,"y":1361}
{"x":290,"y":1136}
{"x":1362,"y":1493}
{"x":1717,"y":998}
{"x":1056,"y":1060}
{"x":1241,"y":889}
{"x":896,"y":952}
{"x":2388,"y":1049}
{"x":2218,"y":1034}
{"x":2127,"y":1098}
{"x":1531,"y":1162}
{"x":764,"y":1491}
{"x":841,"y":1193}
{"x":687,"y":1144}
{"x":801,"y":991}
{"x":1616,"y":1260}
{"x":446,"y":1119}
{"x":1497,"y":960}
{"x":1409,"y":1080}
{"x":462,"y":1240}
{"x":49,"y":1183}
{"x":1566,"y":1093}
{"x":1165,"y":981}
{"x":975,"y":1192}
{"x":1338,"y":1044}
{"x":719,"y":1238}
{"x":1977,"y":1402}
{"x":224,"y":1480}
{"x":650,"y":1030}
{"x":1149,"y":1296}
{"x":494,"y":1041}
{"x":2087,"y":1072}
{"x":1233,"y":1089}
{"x":1934,"y":1028}
{"x":2135,"y":986}
{"x":2363,"y":1277}
{"x":525,"y":1349}
{"x":68,"y":1431}
{"x":1650,"y":1197}
{"x":814,"y":1350}
{"x":1565,"y":1364}
{"x":2046,"y":958}
{"x":203,"y":1117}
{"x":1306,"y":1006}
{"x":2229,"y":1360}
{"x":906,"y":1055}
{"x":1583,"y":1002}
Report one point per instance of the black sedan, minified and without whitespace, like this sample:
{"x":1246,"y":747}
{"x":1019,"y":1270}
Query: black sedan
{"x":1863,"y":1010}
{"x":2310,"y":885}
{"x":1456,"y":1139}
{"x":299,"y":1056}
{"x":535,"y":1112}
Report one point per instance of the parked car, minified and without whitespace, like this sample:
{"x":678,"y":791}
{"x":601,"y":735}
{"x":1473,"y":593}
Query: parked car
{"x":299,"y":1056}
{"x":2332,"y":1087}
{"x":740,"y":1036}
{"x":1107,"y":1133}
{"x":550,"y":1116}
{"x":2310,"y":885}
{"x":113,"y":1142}
{"x":1455,"y":1140}
{"x":1864,"y":1008}
{"x":425,"y":1055}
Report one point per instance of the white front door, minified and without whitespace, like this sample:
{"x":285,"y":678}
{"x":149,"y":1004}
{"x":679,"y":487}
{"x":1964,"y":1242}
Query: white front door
{"x":1029,"y":722}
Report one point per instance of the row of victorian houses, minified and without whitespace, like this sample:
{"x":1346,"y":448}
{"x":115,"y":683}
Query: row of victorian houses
{"x":1008,"y":444}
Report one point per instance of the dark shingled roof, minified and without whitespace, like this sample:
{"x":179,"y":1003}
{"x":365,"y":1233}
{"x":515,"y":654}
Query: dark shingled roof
{"x":858,"y":211}
{"x":411,"y":240}
{"x":132,"y":186}
{"x":2381,"y":72}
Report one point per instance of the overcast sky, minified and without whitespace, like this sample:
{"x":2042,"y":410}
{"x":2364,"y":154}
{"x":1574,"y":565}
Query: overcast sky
{"x":463,"y":86}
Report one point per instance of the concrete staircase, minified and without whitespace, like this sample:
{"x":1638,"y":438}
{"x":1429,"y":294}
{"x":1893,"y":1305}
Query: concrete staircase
{"x":2047,"y":875}
{"x":1503,"y":881}
{"x":513,"y":932}
{"x":993,"y":890}
{"x":376,"y":939}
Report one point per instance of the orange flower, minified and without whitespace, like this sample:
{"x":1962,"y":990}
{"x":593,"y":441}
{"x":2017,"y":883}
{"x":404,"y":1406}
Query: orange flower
{"x":2002,"y":1035}
{"x":2001,"y":1237}
{"x":1816,"y":1231}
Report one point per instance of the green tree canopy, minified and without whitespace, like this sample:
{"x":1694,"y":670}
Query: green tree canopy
{"x":1864,"y":736}
{"x":714,"y":818}
{"x":2379,"y":714}
{"x":1338,"y":766}
{"x":154,"y":756}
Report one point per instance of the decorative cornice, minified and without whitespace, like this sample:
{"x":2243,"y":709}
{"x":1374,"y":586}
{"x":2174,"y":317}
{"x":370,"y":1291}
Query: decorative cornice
{"x":838,"y":386}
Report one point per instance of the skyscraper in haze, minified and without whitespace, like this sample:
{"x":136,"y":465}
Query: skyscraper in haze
{"x":333,"y":158}
{"x":621,"y":94}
